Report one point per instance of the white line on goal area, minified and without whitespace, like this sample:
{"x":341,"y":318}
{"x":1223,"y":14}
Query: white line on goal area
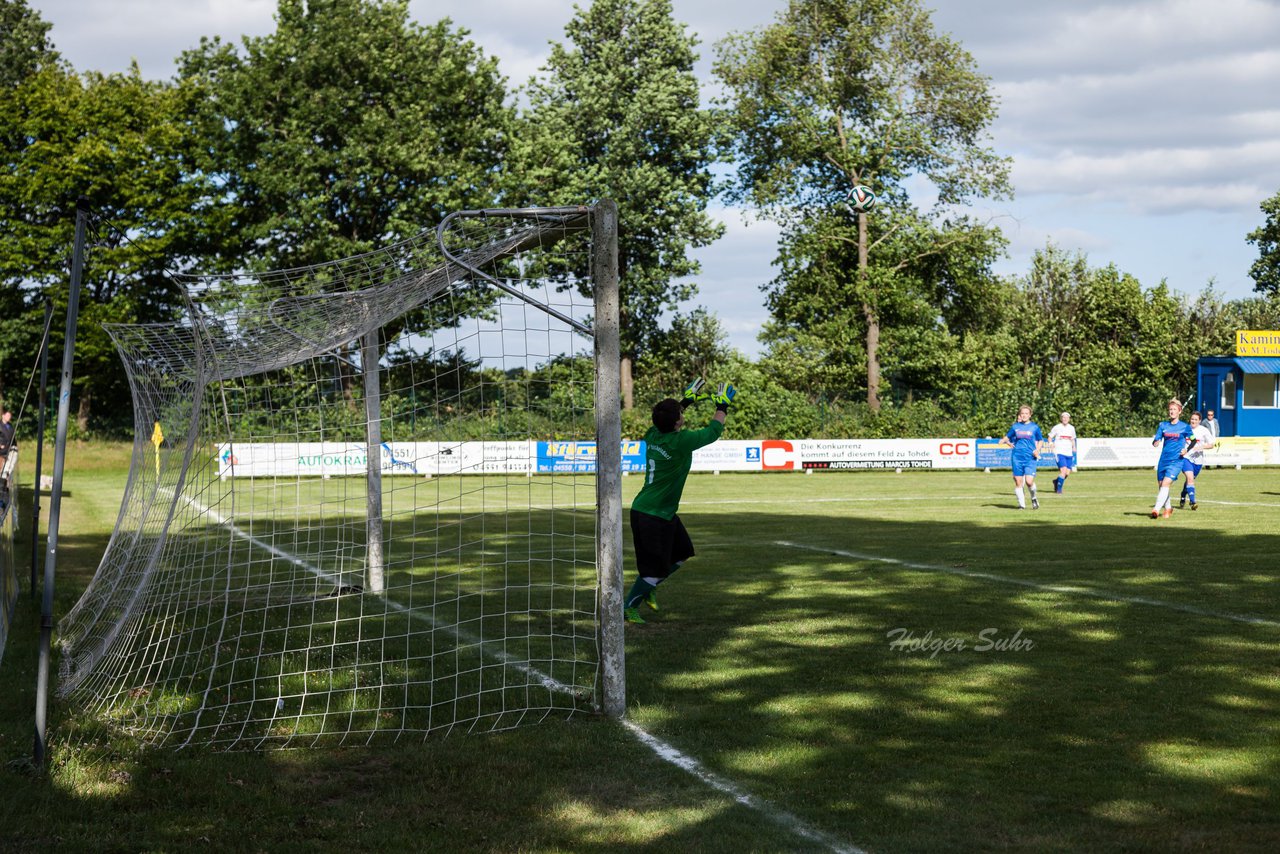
{"x":505,"y":657}
{"x":692,"y":766}
{"x":661,"y":749}
{"x":1035,"y":585}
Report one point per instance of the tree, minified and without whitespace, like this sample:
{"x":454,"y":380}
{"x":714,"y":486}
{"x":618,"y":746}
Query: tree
{"x":24,"y":43}
{"x":617,"y":116}
{"x":695,"y":345}
{"x":125,"y":145}
{"x":930,"y":288}
{"x":838,"y":93}
{"x":1266,"y":270}
{"x":347,"y":128}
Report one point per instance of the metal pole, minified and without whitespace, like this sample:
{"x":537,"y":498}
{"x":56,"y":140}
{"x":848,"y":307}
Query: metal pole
{"x":44,"y":403}
{"x":373,"y":458}
{"x":604,"y":267}
{"x":59,"y":462}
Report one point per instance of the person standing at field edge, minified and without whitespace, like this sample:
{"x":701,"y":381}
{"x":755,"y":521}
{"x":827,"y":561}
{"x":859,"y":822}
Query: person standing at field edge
{"x":6,"y":433}
{"x":1063,"y":437}
{"x":1211,"y":424}
{"x":661,"y":542}
{"x":1025,"y":438}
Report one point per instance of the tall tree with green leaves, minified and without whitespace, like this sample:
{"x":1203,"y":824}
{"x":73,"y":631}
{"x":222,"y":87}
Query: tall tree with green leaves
{"x":617,"y":116}
{"x":124,"y":144}
{"x":1266,"y":270}
{"x":347,"y":128}
{"x":24,"y":43}
{"x":837,"y":93}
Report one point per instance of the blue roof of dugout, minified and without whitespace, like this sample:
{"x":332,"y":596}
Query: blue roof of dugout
{"x":1259,"y":365}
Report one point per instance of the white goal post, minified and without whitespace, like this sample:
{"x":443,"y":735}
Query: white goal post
{"x":247,"y":609}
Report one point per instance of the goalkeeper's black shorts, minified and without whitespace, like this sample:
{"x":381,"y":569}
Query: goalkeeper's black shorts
{"x":660,"y":544}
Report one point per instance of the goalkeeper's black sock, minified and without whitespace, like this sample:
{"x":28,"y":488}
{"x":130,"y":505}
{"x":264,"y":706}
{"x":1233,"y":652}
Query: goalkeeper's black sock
{"x":639,"y":590}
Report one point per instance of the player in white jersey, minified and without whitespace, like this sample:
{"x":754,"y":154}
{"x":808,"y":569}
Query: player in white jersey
{"x":1063,"y":437}
{"x":1193,"y":461}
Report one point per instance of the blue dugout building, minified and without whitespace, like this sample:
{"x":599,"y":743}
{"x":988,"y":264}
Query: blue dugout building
{"x":1244,"y":391}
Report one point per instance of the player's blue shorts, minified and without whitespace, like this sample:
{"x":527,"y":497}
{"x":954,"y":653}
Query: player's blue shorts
{"x":1172,"y":470}
{"x":1024,"y":468}
{"x":1187,"y":465}
{"x":1064,"y":461}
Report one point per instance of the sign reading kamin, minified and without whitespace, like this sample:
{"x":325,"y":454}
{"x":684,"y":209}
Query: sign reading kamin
{"x":1257,"y":343}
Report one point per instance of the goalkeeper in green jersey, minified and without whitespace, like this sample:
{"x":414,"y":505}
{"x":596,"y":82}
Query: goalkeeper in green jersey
{"x":662,"y":544}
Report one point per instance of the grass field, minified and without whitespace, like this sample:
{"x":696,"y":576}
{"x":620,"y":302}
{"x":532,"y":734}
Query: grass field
{"x":869,"y":660}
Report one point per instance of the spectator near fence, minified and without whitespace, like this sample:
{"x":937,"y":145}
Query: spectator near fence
{"x":6,"y":433}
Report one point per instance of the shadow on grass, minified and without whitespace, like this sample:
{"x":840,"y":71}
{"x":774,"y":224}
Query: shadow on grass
{"x":1100,"y":724}
{"x":1122,"y":726}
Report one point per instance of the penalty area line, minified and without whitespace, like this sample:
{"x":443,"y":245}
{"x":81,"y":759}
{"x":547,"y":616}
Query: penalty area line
{"x":660,"y":748}
{"x":694,"y":767}
{"x":1034,"y":585}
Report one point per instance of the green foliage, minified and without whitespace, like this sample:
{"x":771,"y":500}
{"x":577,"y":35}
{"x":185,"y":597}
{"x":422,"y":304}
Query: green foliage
{"x":347,"y":128}
{"x":835,"y":94}
{"x":617,"y":117}
{"x":1266,"y":270}
{"x":838,"y":93}
{"x":124,"y":144}
{"x":24,"y":43}
{"x":1092,"y":341}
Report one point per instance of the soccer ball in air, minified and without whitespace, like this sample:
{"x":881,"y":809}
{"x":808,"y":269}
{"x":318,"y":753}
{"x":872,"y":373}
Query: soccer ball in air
{"x":861,"y":199}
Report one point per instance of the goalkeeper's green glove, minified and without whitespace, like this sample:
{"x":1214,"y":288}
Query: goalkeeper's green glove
{"x":724,"y":396}
{"x":693,"y":393}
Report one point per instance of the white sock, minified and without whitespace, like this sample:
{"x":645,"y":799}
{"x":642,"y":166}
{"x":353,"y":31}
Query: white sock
{"x":1162,"y":497}
{"x":1022,"y":502}
{"x":1033,"y":490}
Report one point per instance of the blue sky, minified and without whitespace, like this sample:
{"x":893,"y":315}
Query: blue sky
{"x":1145,"y":134}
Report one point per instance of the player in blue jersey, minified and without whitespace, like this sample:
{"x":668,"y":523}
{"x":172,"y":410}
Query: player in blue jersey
{"x":1025,"y":438}
{"x":1174,"y":438}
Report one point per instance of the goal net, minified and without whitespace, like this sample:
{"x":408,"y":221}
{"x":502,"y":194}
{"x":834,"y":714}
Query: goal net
{"x":363,"y":499}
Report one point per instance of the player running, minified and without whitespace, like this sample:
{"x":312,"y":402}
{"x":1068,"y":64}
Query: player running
{"x":1172,"y":437}
{"x":1025,"y":438}
{"x":1193,"y":460}
{"x":662,"y":544}
{"x":1063,"y":437}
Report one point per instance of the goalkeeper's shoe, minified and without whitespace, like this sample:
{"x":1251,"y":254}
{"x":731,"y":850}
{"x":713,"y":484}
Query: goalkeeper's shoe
{"x":632,"y":615}
{"x":651,"y":599}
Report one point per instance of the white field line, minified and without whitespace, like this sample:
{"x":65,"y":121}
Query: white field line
{"x":660,"y":748}
{"x":1052,"y":588}
{"x":506,"y":658}
{"x":692,"y":766}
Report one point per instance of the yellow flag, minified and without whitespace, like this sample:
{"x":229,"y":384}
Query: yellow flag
{"x":157,"y":438}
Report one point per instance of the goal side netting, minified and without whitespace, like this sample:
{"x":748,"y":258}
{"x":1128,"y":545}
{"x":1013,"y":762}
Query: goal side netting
{"x":368,"y":499}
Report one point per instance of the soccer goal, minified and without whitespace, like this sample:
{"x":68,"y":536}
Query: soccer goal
{"x":370,"y":498}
